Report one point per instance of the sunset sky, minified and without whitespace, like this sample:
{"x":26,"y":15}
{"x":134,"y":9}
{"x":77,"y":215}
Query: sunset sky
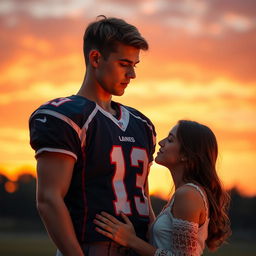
{"x":201,"y":65}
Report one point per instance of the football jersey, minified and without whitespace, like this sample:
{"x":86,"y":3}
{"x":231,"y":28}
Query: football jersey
{"x":112,"y":158}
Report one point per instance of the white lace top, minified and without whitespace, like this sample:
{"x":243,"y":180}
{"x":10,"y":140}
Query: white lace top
{"x":176,"y":237}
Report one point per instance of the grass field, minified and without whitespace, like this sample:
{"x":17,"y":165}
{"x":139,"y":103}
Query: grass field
{"x":26,"y":245}
{"x":40,"y":245}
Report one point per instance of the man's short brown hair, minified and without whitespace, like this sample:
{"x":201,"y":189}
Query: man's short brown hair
{"x":105,"y":33}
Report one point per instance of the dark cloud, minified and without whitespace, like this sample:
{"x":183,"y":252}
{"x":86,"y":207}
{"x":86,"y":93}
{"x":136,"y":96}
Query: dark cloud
{"x":18,"y":3}
{"x":125,"y":2}
{"x":210,"y":10}
{"x":245,"y":7}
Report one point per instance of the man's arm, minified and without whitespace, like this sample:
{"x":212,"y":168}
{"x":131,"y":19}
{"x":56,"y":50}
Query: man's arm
{"x":54,"y":172}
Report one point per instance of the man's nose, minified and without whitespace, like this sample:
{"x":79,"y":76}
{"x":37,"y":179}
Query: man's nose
{"x":131,"y":73}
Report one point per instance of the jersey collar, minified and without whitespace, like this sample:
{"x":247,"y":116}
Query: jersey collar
{"x":122,"y":122}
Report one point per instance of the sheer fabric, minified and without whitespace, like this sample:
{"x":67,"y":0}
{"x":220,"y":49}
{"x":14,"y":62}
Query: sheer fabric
{"x":176,"y":237}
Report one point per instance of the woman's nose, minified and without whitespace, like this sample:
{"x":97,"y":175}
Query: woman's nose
{"x":161,"y":143}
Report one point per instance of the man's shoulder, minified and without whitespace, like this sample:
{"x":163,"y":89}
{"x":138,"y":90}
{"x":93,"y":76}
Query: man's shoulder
{"x":75,"y":108}
{"x":139,"y":115}
{"x":136,"y":112}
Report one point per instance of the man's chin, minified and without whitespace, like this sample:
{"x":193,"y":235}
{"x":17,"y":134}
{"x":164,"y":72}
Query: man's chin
{"x":119,"y":93}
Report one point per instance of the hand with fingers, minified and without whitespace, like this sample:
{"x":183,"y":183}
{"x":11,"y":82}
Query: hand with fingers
{"x":122,"y":233}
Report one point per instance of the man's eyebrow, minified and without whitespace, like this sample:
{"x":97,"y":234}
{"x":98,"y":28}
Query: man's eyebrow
{"x":129,"y":61}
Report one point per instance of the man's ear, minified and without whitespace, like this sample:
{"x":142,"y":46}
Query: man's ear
{"x":94,"y":58}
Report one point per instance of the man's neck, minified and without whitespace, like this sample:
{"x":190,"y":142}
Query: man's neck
{"x":90,"y":91}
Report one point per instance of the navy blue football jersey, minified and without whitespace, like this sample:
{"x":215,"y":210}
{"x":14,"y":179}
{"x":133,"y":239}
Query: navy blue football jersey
{"x":112,"y":155}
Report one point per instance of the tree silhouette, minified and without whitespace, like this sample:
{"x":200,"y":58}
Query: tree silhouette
{"x":3,"y":196}
{"x":242,"y":215}
{"x":19,"y":208}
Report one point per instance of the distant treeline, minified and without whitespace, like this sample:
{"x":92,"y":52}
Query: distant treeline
{"x":18,"y":208}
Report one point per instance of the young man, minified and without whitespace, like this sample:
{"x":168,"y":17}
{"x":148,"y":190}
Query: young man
{"x":93,"y":154}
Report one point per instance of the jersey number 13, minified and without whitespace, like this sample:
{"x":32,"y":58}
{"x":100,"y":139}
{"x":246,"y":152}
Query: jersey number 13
{"x":122,"y":203}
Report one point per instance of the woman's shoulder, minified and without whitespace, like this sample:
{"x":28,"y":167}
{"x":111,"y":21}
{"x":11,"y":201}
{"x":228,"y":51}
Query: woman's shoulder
{"x":190,"y":190}
{"x":188,"y":203}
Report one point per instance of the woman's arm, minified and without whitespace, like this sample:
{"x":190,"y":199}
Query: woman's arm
{"x":188,"y":213}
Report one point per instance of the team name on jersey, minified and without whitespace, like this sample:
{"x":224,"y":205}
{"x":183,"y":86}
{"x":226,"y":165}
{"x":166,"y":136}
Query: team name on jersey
{"x":126,"y":139}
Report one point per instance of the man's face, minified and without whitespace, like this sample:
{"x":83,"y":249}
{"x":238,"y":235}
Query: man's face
{"x":114,"y":74}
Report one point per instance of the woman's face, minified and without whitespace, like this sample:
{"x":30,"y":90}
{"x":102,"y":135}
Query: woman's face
{"x":169,"y":152}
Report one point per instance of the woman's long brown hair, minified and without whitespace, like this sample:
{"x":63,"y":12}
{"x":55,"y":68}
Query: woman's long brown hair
{"x":200,"y":148}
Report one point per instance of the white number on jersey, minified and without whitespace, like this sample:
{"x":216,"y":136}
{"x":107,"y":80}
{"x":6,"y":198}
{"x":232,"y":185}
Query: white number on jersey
{"x":122,"y":203}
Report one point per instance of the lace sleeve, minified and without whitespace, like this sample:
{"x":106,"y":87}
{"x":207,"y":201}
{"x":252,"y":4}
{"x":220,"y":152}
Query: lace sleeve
{"x":184,"y":238}
{"x":184,"y":242}
{"x":163,"y":252}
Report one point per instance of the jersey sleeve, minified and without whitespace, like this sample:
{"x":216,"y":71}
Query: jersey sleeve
{"x":54,"y":134}
{"x":153,"y":148}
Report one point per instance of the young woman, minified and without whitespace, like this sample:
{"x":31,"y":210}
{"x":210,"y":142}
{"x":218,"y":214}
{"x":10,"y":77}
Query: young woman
{"x":196,"y":215}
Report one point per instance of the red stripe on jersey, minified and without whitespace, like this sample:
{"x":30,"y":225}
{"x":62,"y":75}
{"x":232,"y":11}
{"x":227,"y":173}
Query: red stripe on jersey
{"x":84,"y":195}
